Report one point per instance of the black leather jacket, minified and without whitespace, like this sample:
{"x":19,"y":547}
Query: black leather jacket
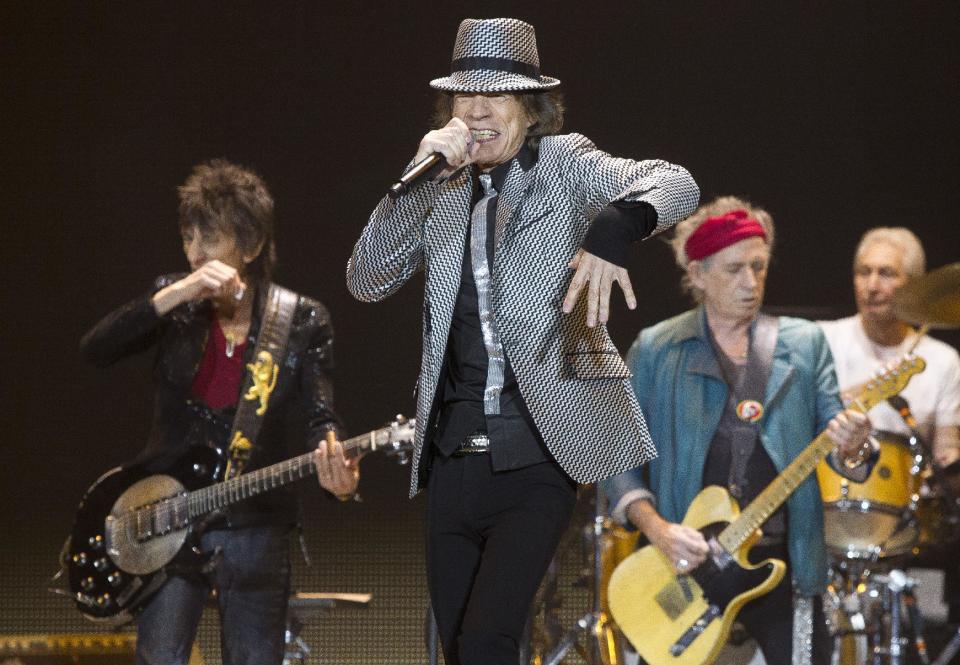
{"x":300,"y":410}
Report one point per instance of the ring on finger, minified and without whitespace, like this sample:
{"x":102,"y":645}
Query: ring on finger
{"x":683,"y":564}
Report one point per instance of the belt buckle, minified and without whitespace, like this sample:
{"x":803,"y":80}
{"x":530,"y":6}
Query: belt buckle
{"x":474,"y":444}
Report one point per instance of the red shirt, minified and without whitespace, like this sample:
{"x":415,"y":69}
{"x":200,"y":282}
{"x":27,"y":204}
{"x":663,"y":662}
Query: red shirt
{"x":218,"y":378}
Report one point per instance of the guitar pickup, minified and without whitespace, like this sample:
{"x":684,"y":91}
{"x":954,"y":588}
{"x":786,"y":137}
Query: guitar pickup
{"x":674,"y":598}
{"x":144,"y":524}
{"x":693,"y":632}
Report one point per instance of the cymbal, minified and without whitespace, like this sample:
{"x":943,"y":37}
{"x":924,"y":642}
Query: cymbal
{"x":932,"y":299}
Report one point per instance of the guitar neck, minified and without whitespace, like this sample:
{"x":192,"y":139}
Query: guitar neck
{"x":775,"y":494}
{"x":772,"y":497}
{"x":215,"y":497}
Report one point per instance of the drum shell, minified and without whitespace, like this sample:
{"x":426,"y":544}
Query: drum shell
{"x":618,"y":544}
{"x":863,"y":520}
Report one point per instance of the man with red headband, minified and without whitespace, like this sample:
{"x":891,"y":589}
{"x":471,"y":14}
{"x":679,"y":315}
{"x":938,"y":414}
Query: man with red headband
{"x":731,"y":397}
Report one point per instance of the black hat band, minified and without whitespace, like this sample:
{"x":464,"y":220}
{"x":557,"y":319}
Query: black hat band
{"x":497,"y":64}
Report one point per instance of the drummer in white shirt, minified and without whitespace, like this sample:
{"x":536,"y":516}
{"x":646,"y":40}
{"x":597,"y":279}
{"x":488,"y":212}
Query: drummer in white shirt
{"x":886,"y":258}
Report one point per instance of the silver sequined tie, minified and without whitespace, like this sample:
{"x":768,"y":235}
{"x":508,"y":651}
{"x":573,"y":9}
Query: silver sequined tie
{"x":481,"y":277}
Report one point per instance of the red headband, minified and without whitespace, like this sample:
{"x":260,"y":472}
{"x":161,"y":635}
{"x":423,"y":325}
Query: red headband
{"x":722,"y":231}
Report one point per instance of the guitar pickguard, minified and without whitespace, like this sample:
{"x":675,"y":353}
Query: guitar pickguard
{"x":113,"y":571}
{"x":696,"y":605}
{"x":721,"y":577}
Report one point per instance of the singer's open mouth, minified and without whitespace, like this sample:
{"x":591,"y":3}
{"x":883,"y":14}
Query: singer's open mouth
{"x":484,"y":135}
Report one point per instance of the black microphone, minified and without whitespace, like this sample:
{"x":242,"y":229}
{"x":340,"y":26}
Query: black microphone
{"x":428,"y":164}
{"x":903,"y":408}
{"x":428,"y":168}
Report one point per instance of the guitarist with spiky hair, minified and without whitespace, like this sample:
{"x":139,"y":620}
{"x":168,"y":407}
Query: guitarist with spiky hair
{"x":732,"y":397}
{"x":204,"y":328}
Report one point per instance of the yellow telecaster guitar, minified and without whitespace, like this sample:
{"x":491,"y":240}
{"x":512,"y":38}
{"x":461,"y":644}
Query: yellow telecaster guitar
{"x":685,"y":619}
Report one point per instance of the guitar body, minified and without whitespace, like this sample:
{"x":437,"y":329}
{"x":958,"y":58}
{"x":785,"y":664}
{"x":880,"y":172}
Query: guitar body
{"x":114,"y":564}
{"x":686,"y":619}
{"x":133,"y":523}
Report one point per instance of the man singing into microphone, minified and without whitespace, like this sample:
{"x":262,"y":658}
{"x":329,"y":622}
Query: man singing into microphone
{"x":521,"y":393}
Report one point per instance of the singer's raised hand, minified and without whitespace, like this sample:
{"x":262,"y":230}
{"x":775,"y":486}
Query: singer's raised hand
{"x":453,"y":141}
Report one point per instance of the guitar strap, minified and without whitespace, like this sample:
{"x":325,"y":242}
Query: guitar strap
{"x":261,"y":378}
{"x":747,"y":396}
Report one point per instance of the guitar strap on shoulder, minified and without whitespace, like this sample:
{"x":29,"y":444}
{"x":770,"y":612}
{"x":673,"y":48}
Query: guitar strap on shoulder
{"x":748,"y":395}
{"x":261,"y":378}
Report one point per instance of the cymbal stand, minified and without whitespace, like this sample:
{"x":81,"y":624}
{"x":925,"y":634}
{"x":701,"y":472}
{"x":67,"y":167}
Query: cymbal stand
{"x":897,"y":594}
{"x":603,"y":645}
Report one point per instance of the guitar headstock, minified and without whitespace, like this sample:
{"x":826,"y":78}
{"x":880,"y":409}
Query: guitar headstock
{"x":890,"y":382}
{"x":396,"y":439}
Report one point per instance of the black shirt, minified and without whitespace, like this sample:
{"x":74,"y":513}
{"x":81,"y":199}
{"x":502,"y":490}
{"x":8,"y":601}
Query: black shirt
{"x":720,"y":456}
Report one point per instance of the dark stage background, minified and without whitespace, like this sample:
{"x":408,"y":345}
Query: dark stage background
{"x":835,"y":116}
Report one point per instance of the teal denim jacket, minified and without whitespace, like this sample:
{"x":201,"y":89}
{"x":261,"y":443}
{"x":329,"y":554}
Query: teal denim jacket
{"x":679,"y":385}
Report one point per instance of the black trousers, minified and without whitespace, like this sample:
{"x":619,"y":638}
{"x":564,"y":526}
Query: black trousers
{"x":769,"y":618}
{"x":490,"y":537}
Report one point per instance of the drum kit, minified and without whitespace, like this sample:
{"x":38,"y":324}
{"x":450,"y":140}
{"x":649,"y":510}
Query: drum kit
{"x":906,"y":513}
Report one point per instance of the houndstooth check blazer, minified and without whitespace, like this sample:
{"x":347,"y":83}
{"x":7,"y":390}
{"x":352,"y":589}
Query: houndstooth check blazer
{"x":572,"y":378}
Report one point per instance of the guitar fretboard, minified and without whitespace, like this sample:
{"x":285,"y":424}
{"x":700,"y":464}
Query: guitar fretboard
{"x":215,"y":497}
{"x":772,"y":497}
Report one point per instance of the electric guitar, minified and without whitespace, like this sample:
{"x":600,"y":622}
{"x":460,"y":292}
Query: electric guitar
{"x":132,"y":523}
{"x":685,"y":619}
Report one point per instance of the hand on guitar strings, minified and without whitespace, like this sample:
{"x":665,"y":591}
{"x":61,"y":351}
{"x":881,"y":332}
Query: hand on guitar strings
{"x":685,"y":547}
{"x":336,"y":474}
{"x":850,"y":431}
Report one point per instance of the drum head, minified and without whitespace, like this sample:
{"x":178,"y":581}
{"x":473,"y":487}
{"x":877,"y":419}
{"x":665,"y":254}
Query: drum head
{"x":864,"y":530}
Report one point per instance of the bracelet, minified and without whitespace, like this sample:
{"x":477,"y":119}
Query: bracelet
{"x":857,"y":460}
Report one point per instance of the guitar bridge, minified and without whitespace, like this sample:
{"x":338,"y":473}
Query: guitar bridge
{"x":694,"y":631}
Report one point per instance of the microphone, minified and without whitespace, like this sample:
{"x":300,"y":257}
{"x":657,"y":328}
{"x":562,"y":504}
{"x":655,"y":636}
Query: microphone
{"x":426,"y":165}
{"x":902,"y":407}
{"x":428,"y":168}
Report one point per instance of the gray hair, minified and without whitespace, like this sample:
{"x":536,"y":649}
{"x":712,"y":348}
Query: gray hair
{"x":719,"y":206}
{"x":914,"y":259}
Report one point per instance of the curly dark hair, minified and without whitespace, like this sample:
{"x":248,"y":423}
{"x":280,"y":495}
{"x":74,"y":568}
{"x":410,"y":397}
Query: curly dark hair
{"x":222,"y":196}
{"x":546,"y":108}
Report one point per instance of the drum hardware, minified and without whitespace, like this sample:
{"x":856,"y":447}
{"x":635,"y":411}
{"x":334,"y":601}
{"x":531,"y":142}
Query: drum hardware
{"x":604,"y":643}
{"x":951,"y":650}
{"x":302,"y":606}
{"x":897,"y":594}
{"x":874,"y":617}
